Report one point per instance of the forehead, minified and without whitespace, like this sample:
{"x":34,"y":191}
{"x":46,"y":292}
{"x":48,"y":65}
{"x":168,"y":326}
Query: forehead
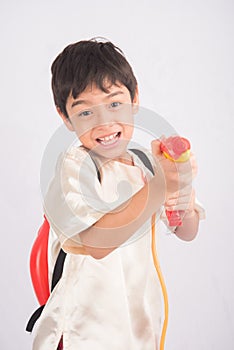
{"x":108,"y":88}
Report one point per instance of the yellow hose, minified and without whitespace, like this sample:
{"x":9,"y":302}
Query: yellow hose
{"x":161,"y":280}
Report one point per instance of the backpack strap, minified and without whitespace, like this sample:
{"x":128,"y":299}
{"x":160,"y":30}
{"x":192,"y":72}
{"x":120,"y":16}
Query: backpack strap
{"x":58,"y":268}
{"x":145,"y":160}
{"x":34,"y":318}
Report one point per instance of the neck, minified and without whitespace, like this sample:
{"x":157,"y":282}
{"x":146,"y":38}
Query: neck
{"x":125,"y":158}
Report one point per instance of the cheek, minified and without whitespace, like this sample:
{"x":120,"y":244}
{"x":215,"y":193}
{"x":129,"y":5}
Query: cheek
{"x":83,"y":131}
{"x":85,"y":138}
{"x":128,"y":131}
{"x":129,"y":134}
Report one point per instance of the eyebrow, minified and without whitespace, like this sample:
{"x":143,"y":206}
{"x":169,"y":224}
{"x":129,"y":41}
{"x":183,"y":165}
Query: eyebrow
{"x":113,"y":94}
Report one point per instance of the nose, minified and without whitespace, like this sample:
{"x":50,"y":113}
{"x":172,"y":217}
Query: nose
{"x":104,"y":117}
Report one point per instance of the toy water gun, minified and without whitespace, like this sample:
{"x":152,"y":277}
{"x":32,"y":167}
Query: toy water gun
{"x":177,"y":149}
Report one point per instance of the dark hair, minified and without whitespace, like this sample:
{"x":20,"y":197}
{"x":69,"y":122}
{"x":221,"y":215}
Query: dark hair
{"x":87,"y":62}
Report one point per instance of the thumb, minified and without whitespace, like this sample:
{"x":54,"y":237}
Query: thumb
{"x":155,"y":146}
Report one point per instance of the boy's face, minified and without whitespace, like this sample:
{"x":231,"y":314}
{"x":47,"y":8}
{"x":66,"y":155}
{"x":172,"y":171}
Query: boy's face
{"x":103,"y":121}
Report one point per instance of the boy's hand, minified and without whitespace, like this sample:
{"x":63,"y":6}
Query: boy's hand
{"x":178,"y":179}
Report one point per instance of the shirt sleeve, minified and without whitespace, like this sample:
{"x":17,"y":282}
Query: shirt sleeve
{"x":74,"y":198}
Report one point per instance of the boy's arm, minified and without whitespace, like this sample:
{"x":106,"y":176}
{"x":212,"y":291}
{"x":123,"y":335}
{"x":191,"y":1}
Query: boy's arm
{"x":85,"y":222}
{"x":117,"y":226}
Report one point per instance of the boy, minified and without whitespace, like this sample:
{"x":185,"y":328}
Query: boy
{"x":109,"y":294}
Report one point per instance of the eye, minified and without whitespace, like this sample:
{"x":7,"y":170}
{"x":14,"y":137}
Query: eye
{"x":115,"y":104}
{"x":84,"y":114}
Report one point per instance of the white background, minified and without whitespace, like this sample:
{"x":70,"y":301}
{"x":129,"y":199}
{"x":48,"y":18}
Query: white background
{"x":182,"y":53}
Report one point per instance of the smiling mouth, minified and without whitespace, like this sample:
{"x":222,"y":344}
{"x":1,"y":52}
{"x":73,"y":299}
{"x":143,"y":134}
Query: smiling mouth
{"x":109,"y":140}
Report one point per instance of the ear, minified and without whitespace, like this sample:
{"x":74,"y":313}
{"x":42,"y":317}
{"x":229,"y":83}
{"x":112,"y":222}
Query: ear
{"x":66,"y":120}
{"x":135,"y":101}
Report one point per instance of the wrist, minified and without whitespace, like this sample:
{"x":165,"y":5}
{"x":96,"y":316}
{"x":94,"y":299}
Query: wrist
{"x":185,"y":215}
{"x":189,"y":228}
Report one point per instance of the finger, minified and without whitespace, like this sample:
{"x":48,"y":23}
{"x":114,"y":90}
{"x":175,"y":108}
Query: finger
{"x":185,"y":202}
{"x":156,"y":147}
{"x":193,"y":163}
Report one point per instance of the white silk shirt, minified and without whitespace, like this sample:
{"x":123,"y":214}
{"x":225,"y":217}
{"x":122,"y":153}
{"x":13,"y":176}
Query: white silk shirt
{"x":110,"y":303}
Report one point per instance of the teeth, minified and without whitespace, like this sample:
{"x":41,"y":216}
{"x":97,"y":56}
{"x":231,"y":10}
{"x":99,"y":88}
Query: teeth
{"x":108,"y":139}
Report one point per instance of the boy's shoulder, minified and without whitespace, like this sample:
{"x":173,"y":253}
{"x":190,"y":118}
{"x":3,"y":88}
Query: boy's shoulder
{"x":79,"y":161}
{"x":76,"y":151}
